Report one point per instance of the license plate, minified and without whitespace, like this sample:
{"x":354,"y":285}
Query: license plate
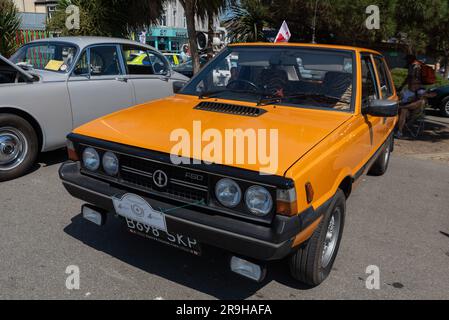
{"x":178,"y":241}
{"x":147,"y":222}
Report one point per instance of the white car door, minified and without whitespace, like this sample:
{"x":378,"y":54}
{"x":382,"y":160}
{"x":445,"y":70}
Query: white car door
{"x":149,"y":73}
{"x":98,"y":85}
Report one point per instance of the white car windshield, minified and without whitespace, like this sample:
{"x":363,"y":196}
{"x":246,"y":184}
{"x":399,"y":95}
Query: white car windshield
{"x":293,"y":76}
{"x":51,"y":56}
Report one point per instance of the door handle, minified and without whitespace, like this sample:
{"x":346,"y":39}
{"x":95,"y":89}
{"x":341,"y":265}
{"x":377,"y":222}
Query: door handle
{"x":121,"y":79}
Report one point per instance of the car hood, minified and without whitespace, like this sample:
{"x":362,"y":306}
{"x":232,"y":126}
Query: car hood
{"x":152,"y":125}
{"x":8,"y":65}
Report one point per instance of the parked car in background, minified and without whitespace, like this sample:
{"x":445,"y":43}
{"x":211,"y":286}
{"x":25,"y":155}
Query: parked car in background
{"x":441,"y":100}
{"x":51,"y":86}
{"x":174,"y":58}
{"x":186,"y":68}
{"x":328,"y":134}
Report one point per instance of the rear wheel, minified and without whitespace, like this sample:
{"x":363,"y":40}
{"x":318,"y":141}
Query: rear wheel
{"x":18,"y":146}
{"x":381,"y":165}
{"x":313,"y":261}
{"x":444,"y":110}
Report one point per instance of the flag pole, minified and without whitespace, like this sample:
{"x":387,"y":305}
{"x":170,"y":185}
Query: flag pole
{"x":314,"y":23}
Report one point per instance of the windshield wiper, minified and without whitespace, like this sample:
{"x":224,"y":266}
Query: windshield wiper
{"x":316,"y":96}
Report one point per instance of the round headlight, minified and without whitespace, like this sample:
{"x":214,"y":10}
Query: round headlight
{"x":228,"y":193}
{"x":110,"y":164}
{"x":259,"y":200}
{"x":91,"y":159}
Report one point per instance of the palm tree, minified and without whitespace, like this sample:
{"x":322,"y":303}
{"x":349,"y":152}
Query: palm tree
{"x":247,"y":20}
{"x":9,"y":25}
{"x":201,"y":9}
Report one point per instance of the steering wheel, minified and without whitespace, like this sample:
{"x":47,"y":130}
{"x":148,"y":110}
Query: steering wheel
{"x":252,"y":84}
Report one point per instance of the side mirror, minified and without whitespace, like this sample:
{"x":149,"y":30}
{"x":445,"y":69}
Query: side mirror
{"x":382,"y":108}
{"x":178,"y":86}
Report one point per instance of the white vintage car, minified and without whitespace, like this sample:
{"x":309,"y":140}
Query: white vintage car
{"x":52,"y":86}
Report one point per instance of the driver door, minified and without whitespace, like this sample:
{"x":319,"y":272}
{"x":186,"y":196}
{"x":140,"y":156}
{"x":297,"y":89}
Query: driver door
{"x":98,"y":85}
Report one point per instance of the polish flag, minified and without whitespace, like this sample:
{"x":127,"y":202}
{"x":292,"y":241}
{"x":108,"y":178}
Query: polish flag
{"x":284,"y":33}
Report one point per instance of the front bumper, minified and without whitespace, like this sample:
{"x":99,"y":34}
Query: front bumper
{"x":239,"y":237}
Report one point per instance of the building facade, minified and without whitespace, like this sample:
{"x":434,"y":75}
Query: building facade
{"x":33,"y":15}
{"x":170,"y":34}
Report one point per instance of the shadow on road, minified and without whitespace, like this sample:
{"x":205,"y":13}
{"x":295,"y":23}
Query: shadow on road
{"x":209,"y":274}
{"x":48,"y":159}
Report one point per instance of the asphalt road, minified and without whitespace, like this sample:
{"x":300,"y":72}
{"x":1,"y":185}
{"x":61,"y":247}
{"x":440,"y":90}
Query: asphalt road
{"x":399,"y":222}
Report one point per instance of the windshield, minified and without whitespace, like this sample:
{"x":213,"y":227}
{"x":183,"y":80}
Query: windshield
{"x":299,"y":77}
{"x":52,"y":56}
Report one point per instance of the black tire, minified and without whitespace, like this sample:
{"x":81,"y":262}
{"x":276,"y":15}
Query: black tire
{"x":307,"y":264}
{"x":381,"y":165}
{"x":444,"y":107}
{"x":13,"y":125}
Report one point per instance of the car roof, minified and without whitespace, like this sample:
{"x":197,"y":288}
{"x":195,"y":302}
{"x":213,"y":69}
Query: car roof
{"x":83,"y":42}
{"x":308,"y":45}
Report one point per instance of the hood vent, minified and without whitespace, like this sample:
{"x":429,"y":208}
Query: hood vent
{"x":230,"y":109}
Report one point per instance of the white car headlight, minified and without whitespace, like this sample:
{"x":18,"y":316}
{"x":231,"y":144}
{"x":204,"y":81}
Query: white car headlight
{"x":259,"y":200}
{"x":91,"y":159}
{"x":110,"y":163}
{"x":228,"y":193}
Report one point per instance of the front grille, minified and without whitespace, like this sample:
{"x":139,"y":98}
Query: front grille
{"x":181,"y":183}
{"x":230,"y":109}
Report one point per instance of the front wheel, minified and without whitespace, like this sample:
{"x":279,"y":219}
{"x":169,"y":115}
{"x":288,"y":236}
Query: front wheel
{"x":381,"y":165}
{"x":18,"y":146}
{"x":444,"y":110}
{"x":312,"y":262}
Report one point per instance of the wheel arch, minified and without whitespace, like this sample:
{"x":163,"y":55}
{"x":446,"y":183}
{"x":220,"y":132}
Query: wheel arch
{"x":31,"y":120}
{"x":346,"y":186}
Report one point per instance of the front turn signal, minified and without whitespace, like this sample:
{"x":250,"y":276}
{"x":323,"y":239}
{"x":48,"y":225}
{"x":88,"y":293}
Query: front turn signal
{"x":286,"y":202}
{"x":71,"y":152}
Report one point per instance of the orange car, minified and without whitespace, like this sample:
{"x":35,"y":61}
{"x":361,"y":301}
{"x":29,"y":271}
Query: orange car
{"x":259,"y":164}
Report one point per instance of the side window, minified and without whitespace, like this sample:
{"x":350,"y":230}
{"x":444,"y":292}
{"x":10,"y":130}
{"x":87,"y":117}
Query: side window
{"x":104,"y":61}
{"x":82,"y":66}
{"x":385,"y":82}
{"x":369,"y":84}
{"x":141,"y":61}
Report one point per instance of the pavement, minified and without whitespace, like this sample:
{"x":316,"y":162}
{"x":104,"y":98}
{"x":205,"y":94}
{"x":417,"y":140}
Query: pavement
{"x":398,"y":223}
{"x":432,"y":144}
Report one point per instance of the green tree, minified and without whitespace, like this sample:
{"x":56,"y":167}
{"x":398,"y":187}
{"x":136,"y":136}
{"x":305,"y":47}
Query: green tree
{"x":107,"y":17}
{"x":247,"y":20}
{"x":9,"y":25}
{"x":436,"y":31}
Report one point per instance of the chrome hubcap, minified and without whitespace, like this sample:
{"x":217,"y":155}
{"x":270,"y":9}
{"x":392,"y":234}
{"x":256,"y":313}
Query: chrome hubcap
{"x":13,"y":148}
{"x":387,"y":155}
{"x":332,"y":234}
{"x":447,"y":107}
